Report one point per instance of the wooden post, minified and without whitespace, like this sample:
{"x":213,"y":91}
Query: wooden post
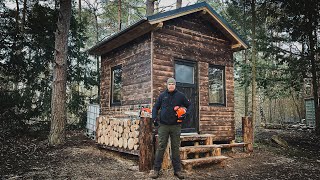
{"x":232,"y":148}
{"x":196,"y":155}
{"x":146,"y":152}
{"x":247,"y":132}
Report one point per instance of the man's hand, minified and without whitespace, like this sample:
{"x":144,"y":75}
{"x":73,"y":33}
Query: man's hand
{"x":182,"y":118}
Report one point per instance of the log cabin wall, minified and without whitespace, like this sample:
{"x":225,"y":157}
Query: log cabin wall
{"x":136,"y":78}
{"x":193,"y":38}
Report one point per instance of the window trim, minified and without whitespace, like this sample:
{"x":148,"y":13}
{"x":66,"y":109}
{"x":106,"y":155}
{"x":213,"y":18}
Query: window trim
{"x":111,"y":88}
{"x":223,"y":68}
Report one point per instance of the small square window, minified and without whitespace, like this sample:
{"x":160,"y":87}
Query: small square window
{"x":184,"y":73}
{"x":116,"y":85}
{"x":217,"y":95}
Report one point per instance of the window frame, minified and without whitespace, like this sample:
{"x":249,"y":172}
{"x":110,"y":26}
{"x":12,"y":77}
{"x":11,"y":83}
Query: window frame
{"x":185,"y":63}
{"x":112,"y":85}
{"x":223,"y":68}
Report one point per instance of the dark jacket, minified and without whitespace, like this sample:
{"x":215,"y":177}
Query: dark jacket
{"x":166,"y":103}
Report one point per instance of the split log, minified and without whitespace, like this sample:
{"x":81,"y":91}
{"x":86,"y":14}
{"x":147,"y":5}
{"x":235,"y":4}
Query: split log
{"x":106,"y":140}
{"x":120,"y":130}
{"x":120,"y":142}
{"x":125,"y":143}
{"x":128,"y":123}
{"x":135,"y":134}
{"x":111,"y":141}
{"x":136,"y":140}
{"x":102,"y":139}
{"x":130,"y":143}
{"x":115,"y":142}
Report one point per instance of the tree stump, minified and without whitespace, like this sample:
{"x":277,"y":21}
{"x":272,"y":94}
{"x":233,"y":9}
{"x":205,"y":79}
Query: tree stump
{"x":247,"y":131}
{"x":146,"y":152}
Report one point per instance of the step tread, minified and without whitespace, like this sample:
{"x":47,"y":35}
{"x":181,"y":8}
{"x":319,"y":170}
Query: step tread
{"x":207,"y":147}
{"x":204,"y":160}
{"x":196,"y":137}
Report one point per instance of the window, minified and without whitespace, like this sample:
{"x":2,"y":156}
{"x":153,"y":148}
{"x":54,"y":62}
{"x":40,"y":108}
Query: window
{"x":217,"y":94}
{"x":184,"y":73}
{"x":116,"y":85}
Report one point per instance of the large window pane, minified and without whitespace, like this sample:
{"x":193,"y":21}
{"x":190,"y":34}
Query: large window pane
{"x":216,"y":85}
{"x":116,"y":85}
{"x":184,"y":73}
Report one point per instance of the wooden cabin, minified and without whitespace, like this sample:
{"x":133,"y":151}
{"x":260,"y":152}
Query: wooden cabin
{"x":194,"y":45}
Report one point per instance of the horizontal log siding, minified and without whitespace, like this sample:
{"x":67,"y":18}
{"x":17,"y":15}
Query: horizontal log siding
{"x":136,"y":77}
{"x":192,"y":38}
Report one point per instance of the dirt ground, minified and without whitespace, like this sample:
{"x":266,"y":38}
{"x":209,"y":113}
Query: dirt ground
{"x":80,"y":158}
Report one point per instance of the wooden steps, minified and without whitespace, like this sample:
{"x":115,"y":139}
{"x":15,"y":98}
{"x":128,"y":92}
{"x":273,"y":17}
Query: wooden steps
{"x":199,"y":149}
{"x":209,"y":150}
{"x":189,"y":163}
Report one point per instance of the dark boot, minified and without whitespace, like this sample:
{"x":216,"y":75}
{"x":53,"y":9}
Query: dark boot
{"x":154,"y":174}
{"x":179,"y":174}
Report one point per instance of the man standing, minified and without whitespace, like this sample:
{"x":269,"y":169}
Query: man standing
{"x":169,"y":127}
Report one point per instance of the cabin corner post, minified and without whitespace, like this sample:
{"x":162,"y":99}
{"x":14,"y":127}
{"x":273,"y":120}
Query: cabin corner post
{"x":247,"y":132}
{"x":146,"y":148}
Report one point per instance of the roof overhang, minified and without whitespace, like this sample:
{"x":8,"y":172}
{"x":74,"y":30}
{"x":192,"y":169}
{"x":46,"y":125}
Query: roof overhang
{"x":116,"y":40}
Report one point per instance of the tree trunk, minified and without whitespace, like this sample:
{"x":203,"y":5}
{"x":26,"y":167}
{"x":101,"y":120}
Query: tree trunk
{"x":24,"y":11}
{"x":80,"y":9}
{"x":119,"y":14}
{"x":245,"y":59}
{"x":58,"y":99}
{"x":296,"y":103}
{"x":312,"y":38}
{"x":17,"y":13}
{"x":314,"y":82}
{"x":254,"y":57}
{"x":150,"y":7}
{"x":246,"y":85}
{"x":97,"y":57}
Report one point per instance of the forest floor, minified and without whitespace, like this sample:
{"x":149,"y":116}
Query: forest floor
{"x":29,"y":157}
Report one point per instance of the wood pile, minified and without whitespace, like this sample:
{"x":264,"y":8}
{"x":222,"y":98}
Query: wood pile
{"x":120,"y":133}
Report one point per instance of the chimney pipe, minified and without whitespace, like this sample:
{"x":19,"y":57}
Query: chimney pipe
{"x":178,"y":4}
{"x":150,"y":7}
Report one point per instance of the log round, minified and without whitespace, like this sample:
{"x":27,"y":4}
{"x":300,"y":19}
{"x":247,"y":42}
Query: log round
{"x":130,"y":143}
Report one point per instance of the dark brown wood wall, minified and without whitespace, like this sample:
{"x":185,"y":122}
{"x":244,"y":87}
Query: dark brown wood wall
{"x":193,"y":38}
{"x":135,"y":59}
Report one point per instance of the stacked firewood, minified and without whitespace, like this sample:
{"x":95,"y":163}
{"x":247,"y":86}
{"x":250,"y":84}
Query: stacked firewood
{"x":120,"y":133}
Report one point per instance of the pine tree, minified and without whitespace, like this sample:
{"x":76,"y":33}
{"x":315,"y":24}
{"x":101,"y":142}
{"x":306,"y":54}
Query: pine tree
{"x":58,"y":101}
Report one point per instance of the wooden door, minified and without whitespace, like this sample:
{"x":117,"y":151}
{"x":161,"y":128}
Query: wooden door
{"x":186,"y":77}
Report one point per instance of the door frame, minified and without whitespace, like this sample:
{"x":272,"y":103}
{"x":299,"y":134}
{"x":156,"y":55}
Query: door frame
{"x":194,"y":64}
